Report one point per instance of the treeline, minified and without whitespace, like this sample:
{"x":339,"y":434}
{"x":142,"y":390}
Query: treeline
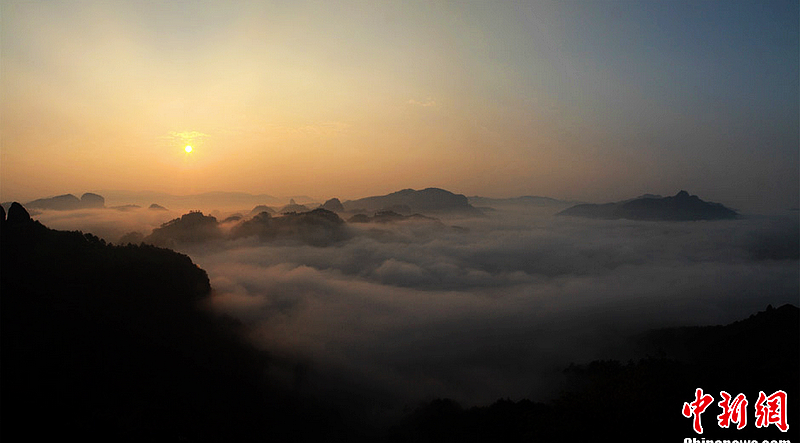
{"x":641,"y":400}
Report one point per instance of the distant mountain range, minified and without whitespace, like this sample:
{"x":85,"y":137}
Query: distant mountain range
{"x":407,"y":201}
{"x":434,"y":201}
{"x":205,"y":200}
{"x":681,"y":207}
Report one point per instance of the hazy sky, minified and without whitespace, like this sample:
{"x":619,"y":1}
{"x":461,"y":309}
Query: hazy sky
{"x":597,"y":100}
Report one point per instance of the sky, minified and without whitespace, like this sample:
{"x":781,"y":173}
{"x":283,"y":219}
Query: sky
{"x":594,"y":101}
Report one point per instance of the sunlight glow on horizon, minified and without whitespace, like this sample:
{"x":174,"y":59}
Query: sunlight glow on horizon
{"x":575,"y":101}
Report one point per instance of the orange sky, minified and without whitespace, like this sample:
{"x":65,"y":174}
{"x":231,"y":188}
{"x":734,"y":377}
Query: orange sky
{"x":359,"y":98}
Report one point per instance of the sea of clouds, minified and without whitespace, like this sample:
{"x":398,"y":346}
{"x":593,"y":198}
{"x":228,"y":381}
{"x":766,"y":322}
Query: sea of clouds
{"x":477,"y":309}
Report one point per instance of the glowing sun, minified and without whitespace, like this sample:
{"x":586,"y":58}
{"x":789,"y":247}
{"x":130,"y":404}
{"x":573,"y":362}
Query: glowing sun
{"x":188,"y":148}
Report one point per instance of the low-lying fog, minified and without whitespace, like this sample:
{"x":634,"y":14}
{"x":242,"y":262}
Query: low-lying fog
{"x":413,"y":310}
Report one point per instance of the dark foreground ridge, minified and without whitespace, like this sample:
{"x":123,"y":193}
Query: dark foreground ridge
{"x":681,"y":207}
{"x":112,"y":343}
{"x":642,"y":400}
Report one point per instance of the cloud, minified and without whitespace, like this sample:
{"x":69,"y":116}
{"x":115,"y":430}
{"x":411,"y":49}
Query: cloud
{"x":428,"y":102}
{"x":317,"y":129}
{"x":187,"y":136}
{"x":410,"y":311}
{"x":497,"y":310}
{"x":109,"y":224}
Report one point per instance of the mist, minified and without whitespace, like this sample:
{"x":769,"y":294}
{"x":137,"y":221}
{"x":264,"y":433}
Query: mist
{"x":477,"y":309}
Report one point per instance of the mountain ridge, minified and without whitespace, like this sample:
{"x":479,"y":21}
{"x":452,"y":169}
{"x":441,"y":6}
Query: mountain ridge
{"x":428,"y":200}
{"x":680,"y":207}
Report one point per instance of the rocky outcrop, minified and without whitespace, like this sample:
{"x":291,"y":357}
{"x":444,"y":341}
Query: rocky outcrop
{"x":17,"y":215}
{"x":333,"y":205}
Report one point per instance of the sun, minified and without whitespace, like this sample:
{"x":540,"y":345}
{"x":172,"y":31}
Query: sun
{"x":188,"y":148}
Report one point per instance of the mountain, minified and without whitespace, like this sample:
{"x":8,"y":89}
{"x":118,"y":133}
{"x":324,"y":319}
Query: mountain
{"x":293,"y":207}
{"x":430,"y":200}
{"x":319,"y":227}
{"x":640,"y":396}
{"x":206,"y":201}
{"x":112,"y":342}
{"x":333,"y":205}
{"x":68,"y":202}
{"x":90,"y":200}
{"x":262,"y":208}
{"x":193,"y":227}
{"x":681,"y":207}
{"x":116,"y":343}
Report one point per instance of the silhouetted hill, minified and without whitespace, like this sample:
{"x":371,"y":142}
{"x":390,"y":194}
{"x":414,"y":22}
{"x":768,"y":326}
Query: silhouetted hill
{"x":156,"y":207}
{"x":262,"y":208}
{"x":109,"y":341}
{"x":64,"y":202}
{"x":641,"y":400}
{"x":744,"y":344}
{"x":681,"y":207}
{"x":319,"y":227}
{"x":68,"y":202}
{"x":430,"y":200}
{"x":89,"y":200}
{"x":293,"y":207}
{"x":193,"y":227}
{"x":232,"y":218}
{"x":333,"y":205}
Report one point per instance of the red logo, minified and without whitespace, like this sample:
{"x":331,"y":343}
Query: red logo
{"x":697,"y":407}
{"x":732,"y":411}
{"x":771,"y":410}
{"x":768,"y":410}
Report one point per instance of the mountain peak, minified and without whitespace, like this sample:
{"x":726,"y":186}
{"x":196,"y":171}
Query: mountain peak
{"x":681,"y":207}
{"x":17,"y":214}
